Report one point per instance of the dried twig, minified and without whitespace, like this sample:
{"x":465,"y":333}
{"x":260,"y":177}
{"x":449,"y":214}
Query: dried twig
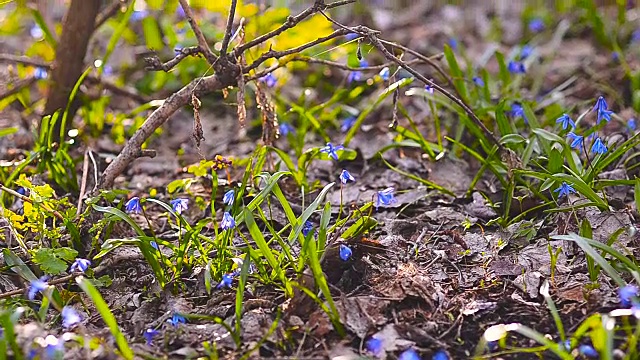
{"x":19,"y":85}
{"x":202,"y":42}
{"x":18,"y":59}
{"x":61,"y":280}
{"x":154,"y":63}
{"x":28,"y":199}
{"x":109,"y":11}
{"x":228,"y":30}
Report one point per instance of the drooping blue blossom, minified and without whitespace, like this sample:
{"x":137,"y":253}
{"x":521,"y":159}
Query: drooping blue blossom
{"x":364,"y":63}
{"x":631,"y":125}
{"x":429,"y":88}
{"x":179,"y":205}
{"x":107,"y":70}
{"x":525,"y":52}
{"x":351,"y":36}
{"x":53,"y":347}
{"x":227,"y":280}
{"x":180,"y":12}
{"x":566,"y":121}
{"x":269,"y":80}
{"x":345,"y":252}
{"x":564,"y":190}
{"x":177,"y":49}
{"x":354,"y":76}
{"x":177,"y":319}
{"x":575,"y":140}
{"x":374,"y":346}
{"x":154,"y":245}
{"x":588,"y":351}
{"x":598,"y":147}
{"x":149,"y":334}
{"x":22,"y":191}
{"x":70,"y":317}
{"x":566,"y":344}
{"x":536,"y":25}
{"x":139,"y":15}
{"x":40,"y":73}
{"x":440,"y":355}
{"x":615,"y":56}
{"x":516,"y":67}
{"x":602,"y":109}
{"x":604,"y":114}
{"x":307,"y":227}
{"x":478,"y":81}
{"x":409,"y":354}
{"x":626,"y":295}
{"x":518,"y":111}
{"x":80,"y":265}
{"x":385,"y":197}
{"x":330,"y":150}
{"x":346,"y":177}
{"x":227,"y":221}
{"x":228,"y":197}
{"x":286,"y":128}
{"x":347,"y":123}
{"x":635,"y":36}
{"x":384,"y":73}
{"x":453,"y":43}
{"x":36,"y":286}
{"x":36,"y":32}
{"x":133,"y":205}
{"x":601,"y":104}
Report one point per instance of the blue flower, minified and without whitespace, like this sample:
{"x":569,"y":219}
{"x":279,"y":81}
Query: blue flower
{"x":566,"y":344}
{"x":385,"y":197}
{"x":351,"y":36}
{"x":517,"y":111}
{"x":635,"y":36}
{"x":478,"y":81}
{"x":269,"y":80}
{"x":354,"y":76}
{"x":440,"y":355}
{"x":347,"y":123}
{"x":177,"y":319}
{"x":601,"y":104}
{"x":615,"y":56}
{"x":453,"y":43}
{"x":598,"y":147}
{"x":40,"y":73}
{"x":179,"y":205}
{"x":631,"y":124}
{"x":409,"y":354}
{"x":536,"y":25}
{"x":605,"y":114}
{"x":364,"y":63}
{"x":307,"y":227}
{"x":384,"y":73}
{"x":154,"y":244}
{"x":80,"y":265}
{"x":177,"y":50}
{"x":374,"y":346}
{"x":516,"y":67}
{"x":226,"y":281}
{"x":228,"y":197}
{"x":525,"y":52}
{"x":70,"y":317}
{"x":576,"y":140}
{"x":345,"y":252}
{"x":286,"y":128}
{"x":626,"y":295}
{"x":53,"y":346}
{"x":564,"y":190}
{"x":133,"y":205}
{"x":36,"y":32}
{"x":227,"y":221}
{"x":149,"y":334}
{"x":36,"y":286}
{"x":330,"y":149}
{"x":346,"y":177}
{"x":429,"y":88}
{"x":588,"y":351}
{"x":566,"y":121}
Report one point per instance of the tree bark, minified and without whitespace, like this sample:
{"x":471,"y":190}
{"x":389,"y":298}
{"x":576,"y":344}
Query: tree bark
{"x":77,"y":28}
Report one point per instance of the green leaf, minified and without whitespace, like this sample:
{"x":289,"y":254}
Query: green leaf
{"x":636,"y":194}
{"x":456,"y":73}
{"x":108,"y":318}
{"x":152,"y":34}
{"x":51,"y":260}
{"x":8,"y":131}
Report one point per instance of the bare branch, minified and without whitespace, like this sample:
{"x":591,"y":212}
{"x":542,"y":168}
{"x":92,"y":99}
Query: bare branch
{"x":288,"y":24}
{"x":25,"y":60}
{"x":154,"y":63}
{"x":278,"y":54}
{"x":19,"y":85}
{"x":132,"y":149}
{"x":108,"y":12}
{"x":227,"y":32}
{"x":202,"y":42}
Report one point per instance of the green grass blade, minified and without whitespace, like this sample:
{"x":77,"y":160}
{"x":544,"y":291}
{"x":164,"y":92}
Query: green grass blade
{"x":107,"y":316}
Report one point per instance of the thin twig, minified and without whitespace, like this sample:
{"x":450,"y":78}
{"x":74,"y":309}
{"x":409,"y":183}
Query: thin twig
{"x":154,"y":63}
{"x":227,"y":32}
{"x":19,"y":59}
{"x":28,"y":199}
{"x":109,"y":11}
{"x":61,"y":280}
{"x":19,"y":85}
{"x":83,"y":182}
{"x":288,"y":24}
{"x":271,"y":54}
{"x":202,"y":41}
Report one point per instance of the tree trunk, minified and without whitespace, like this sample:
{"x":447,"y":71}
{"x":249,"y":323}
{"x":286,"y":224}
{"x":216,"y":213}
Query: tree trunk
{"x":77,"y":28}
